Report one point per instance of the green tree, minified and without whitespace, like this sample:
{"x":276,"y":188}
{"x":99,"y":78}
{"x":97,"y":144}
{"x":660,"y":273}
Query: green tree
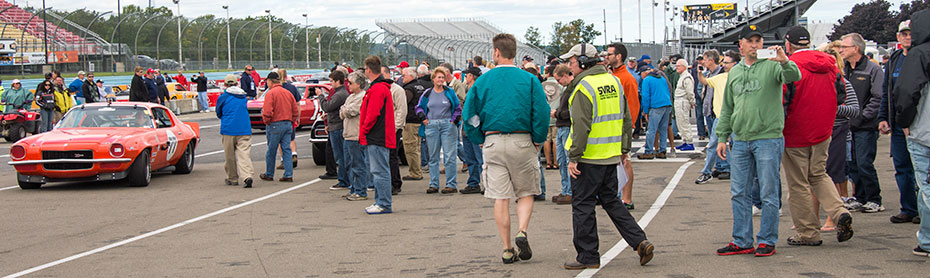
{"x":564,"y":36}
{"x":906,"y":10}
{"x":871,"y":20}
{"x":532,"y":37}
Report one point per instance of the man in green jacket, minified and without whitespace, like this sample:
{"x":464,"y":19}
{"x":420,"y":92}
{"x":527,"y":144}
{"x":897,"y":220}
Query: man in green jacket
{"x":753,"y":113}
{"x":506,"y":111}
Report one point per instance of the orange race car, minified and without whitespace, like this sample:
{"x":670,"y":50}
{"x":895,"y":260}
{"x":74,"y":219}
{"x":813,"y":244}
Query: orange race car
{"x":107,"y":141}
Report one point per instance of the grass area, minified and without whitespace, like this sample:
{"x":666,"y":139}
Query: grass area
{"x":68,"y":76}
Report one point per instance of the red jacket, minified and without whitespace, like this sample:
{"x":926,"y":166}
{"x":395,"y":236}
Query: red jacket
{"x":279,"y":106}
{"x":183,"y":81}
{"x":812,"y":108}
{"x":377,"y":116}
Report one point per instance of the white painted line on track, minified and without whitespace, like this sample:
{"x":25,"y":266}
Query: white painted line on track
{"x":253,"y":145}
{"x":643,"y":222}
{"x":9,"y":187}
{"x":209,"y":126}
{"x":155,"y":232}
{"x":6,"y":155}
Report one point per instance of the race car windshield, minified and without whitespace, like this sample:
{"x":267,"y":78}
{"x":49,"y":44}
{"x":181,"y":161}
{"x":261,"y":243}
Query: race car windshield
{"x":107,"y":117}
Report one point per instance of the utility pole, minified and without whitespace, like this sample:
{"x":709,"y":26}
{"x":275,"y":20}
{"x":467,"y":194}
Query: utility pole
{"x":307,"y":37}
{"x":180,"y":56}
{"x":228,"y":47}
{"x":270,"y":53}
{"x":665,"y":22}
{"x":654,"y":4}
{"x":45,"y":31}
{"x":605,"y":27}
{"x":639,"y":17}
{"x":319,"y":50}
{"x":620,"y":15}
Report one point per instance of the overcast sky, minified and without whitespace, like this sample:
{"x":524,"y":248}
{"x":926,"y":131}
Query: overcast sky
{"x":513,"y":16}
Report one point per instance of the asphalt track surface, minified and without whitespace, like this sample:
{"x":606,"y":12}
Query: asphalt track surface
{"x":195,"y":226}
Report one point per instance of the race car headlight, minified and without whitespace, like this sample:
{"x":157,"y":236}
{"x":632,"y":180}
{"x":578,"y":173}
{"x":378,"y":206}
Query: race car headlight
{"x":117,"y":150}
{"x":18,"y":152}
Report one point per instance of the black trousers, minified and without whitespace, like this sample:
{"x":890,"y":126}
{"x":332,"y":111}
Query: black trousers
{"x":599,"y":182}
{"x":396,"y":182}
{"x":330,"y":160}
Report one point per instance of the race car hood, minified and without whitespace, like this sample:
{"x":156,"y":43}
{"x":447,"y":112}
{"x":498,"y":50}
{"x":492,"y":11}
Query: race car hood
{"x":82,"y":136}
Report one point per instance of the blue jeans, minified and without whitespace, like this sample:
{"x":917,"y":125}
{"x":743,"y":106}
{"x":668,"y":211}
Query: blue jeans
{"x":757,"y":194}
{"x":442,"y":134}
{"x":542,"y":180}
{"x":674,"y":123}
{"x":903,"y":171}
{"x":710,"y":122}
{"x":750,"y":160}
{"x":357,"y":161}
{"x":337,"y":141}
{"x":474,"y":159}
{"x":562,"y":157}
{"x":424,"y":151}
{"x":203,"y":100}
{"x":920,"y":157}
{"x":658,"y":125}
{"x":279,"y":134}
{"x":712,"y":161}
{"x":47,"y":117}
{"x":699,"y":116}
{"x":378,"y":157}
{"x":862,"y":168}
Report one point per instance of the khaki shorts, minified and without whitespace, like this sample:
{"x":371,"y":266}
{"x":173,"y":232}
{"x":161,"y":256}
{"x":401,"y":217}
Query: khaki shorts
{"x":553,"y":133}
{"x":511,"y":168}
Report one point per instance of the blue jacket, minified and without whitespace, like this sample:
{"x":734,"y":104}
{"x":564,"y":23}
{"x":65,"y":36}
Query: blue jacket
{"x":293,"y":89}
{"x":75,"y":86}
{"x":233,"y":114}
{"x":247,"y":85}
{"x":152,"y":87}
{"x":423,"y":107}
{"x":656,"y":93}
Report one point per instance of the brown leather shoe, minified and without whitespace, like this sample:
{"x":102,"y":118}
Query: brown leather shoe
{"x":264,"y":177}
{"x":662,"y":155}
{"x":280,"y":167}
{"x":562,"y":199}
{"x":448,"y":190}
{"x":573,"y":265}
{"x":286,"y":179}
{"x":645,"y":156}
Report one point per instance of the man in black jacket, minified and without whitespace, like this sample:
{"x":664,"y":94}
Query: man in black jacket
{"x":163,"y":95}
{"x":904,"y":170}
{"x":912,"y":103}
{"x":137,"y":89}
{"x":866,"y":78}
{"x":89,"y":89}
{"x":201,"y":81}
{"x":415,"y":83}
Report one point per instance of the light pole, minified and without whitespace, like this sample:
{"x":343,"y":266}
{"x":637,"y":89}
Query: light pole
{"x":228,"y":47}
{"x":639,"y":17}
{"x":180,"y":57}
{"x":620,"y":15}
{"x":270,"y":52}
{"x":307,"y":37}
{"x":665,"y":22}
{"x":654,"y":4}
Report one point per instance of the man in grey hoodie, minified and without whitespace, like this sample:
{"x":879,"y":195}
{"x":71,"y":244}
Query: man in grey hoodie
{"x":331,"y":104}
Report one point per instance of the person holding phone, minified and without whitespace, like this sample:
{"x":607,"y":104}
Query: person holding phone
{"x":753,"y":114}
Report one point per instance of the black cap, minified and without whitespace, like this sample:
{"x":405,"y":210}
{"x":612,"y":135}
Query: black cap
{"x":749,"y":31}
{"x":527,"y":58}
{"x":272,"y":76}
{"x":643,"y":68}
{"x":797,"y":35}
{"x":473,"y":71}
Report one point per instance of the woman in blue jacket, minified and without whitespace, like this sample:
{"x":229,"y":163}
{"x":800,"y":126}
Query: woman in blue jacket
{"x":440,"y":109}
{"x":237,"y":133}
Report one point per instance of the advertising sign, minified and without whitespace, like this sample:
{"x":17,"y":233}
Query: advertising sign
{"x":707,"y":12}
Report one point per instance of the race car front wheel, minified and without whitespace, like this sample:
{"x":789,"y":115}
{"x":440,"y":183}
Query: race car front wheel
{"x":140,"y":172}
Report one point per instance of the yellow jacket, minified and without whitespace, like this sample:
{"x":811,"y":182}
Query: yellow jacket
{"x":62,"y":100}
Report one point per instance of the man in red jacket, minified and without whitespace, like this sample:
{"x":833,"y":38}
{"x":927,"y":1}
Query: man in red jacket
{"x":182,"y":80}
{"x":811,"y":109}
{"x":279,"y":112}
{"x":376,"y":131}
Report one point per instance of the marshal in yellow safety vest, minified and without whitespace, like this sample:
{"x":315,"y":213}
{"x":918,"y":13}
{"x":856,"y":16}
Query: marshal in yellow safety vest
{"x":606,"y":95}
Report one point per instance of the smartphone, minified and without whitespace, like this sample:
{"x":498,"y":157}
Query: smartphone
{"x":765,"y":53}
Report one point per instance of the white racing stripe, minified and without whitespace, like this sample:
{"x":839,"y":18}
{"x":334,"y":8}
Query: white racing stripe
{"x":8,"y":188}
{"x":253,"y":145}
{"x":155,"y":232}
{"x":643,"y":222}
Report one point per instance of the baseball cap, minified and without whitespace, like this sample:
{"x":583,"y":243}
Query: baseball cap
{"x":590,"y":51}
{"x":904,"y":26}
{"x":99,"y":81}
{"x":81,"y":72}
{"x":473,"y":71}
{"x":527,"y":58}
{"x":643,"y":68}
{"x":530,"y":66}
{"x":15,"y":81}
{"x":403,"y":64}
{"x":797,"y":35}
{"x":272,"y":76}
{"x":230,"y":78}
{"x":645,"y":57}
{"x":151,"y":70}
{"x":631,"y":59}
{"x":750,"y":31}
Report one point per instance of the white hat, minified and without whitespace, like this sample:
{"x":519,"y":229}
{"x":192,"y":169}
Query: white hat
{"x":590,"y":51}
{"x":15,"y":81}
{"x":81,"y":72}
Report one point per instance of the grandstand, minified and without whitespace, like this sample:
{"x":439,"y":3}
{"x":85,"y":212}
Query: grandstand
{"x":30,"y":31}
{"x":449,"y":40}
